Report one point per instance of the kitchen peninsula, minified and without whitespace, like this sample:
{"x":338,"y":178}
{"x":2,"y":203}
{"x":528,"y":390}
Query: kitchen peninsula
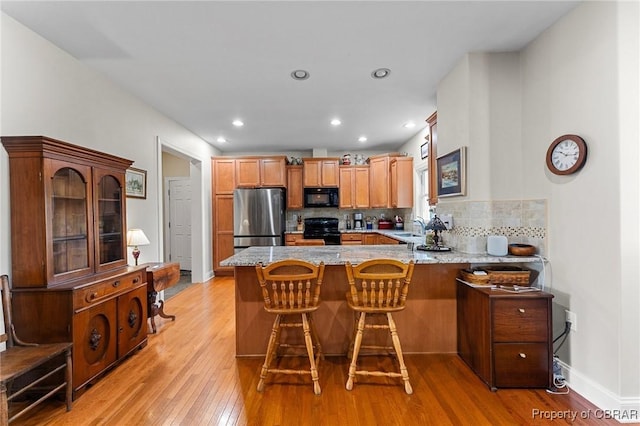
{"x":427,"y":325}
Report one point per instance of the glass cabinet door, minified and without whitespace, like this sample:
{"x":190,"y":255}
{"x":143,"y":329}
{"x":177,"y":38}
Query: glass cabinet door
{"x":70,"y":218}
{"x":111,"y":243}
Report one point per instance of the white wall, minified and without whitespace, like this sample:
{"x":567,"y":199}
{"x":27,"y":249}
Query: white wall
{"x":47,"y":92}
{"x":580,"y":76}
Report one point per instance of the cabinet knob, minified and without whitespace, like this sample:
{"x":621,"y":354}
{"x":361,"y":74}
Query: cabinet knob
{"x":136,"y":279}
{"x":92,"y":296}
{"x":523,"y":355}
{"x":521,"y":310}
{"x":116,"y":283}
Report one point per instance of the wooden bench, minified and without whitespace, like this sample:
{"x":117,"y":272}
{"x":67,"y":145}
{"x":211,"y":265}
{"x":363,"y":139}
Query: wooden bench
{"x":36,"y":363}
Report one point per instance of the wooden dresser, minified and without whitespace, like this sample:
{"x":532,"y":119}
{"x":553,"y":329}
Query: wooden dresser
{"x":505,"y":337}
{"x":71,"y":281}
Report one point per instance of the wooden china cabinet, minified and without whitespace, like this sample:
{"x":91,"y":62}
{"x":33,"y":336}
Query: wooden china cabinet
{"x":71,"y":281}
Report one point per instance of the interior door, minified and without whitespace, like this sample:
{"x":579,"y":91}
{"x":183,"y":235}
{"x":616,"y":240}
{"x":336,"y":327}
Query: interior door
{"x":180,"y":222}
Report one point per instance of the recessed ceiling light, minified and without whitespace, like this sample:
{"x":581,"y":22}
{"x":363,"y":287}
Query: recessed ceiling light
{"x":336,"y":122}
{"x":381,"y":73}
{"x":300,"y":75}
{"x":409,"y":124}
{"x":221,"y":140}
{"x":238,"y":123}
{"x":362,"y":139}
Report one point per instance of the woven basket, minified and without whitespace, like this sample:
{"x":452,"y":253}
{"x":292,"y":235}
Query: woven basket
{"x":508,"y":275}
{"x":468,"y":276}
{"x":497,"y":275}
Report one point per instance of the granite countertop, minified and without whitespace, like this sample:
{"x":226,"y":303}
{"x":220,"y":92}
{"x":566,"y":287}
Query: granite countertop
{"x":402,"y":236}
{"x":339,"y":255}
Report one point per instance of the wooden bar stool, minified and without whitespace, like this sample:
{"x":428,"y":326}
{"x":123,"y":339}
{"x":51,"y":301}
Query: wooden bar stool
{"x":378,"y":287}
{"x":291,"y":291}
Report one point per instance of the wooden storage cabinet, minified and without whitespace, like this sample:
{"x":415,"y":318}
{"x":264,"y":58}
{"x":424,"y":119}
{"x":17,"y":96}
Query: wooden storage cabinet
{"x":321,"y":172}
{"x":351,"y":239}
{"x":294,"y":188}
{"x":68,"y":246}
{"x":401,"y":181}
{"x":354,"y":187}
{"x":290,"y":239}
{"x":505,"y":337}
{"x":260,"y":172}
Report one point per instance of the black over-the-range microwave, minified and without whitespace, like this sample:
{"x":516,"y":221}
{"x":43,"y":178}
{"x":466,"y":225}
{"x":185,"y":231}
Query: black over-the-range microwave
{"x":321,"y":197}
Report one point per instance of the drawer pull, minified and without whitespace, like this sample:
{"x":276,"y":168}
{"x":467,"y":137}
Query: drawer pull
{"x":521,"y":310}
{"x":116,"y":283}
{"x":93,"y":296}
{"x":523,"y":355}
{"x":136,"y":279}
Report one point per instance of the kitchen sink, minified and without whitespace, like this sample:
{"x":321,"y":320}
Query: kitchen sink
{"x":406,"y":234}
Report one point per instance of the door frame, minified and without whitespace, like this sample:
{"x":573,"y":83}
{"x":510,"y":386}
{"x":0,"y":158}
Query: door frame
{"x":198,"y":274}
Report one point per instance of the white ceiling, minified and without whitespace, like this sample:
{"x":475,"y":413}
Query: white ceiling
{"x":205,"y":63}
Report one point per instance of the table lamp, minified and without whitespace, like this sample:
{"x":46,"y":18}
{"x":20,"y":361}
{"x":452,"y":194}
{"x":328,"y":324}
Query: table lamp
{"x":135,"y":238}
{"x":436,"y":225}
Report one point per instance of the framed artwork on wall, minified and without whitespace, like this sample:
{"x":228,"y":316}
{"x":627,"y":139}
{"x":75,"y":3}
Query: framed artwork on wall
{"x":451,"y":171}
{"x":424,"y":150}
{"x":136,"y":183}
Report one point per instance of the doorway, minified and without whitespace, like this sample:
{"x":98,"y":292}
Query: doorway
{"x":179,"y":221}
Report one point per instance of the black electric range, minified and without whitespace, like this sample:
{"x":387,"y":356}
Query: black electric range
{"x":325,"y":228}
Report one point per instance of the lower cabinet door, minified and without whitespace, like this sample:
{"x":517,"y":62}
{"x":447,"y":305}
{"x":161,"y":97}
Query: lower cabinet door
{"x":94,"y":342}
{"x":521,"y":365}
{"x":132,"y":320}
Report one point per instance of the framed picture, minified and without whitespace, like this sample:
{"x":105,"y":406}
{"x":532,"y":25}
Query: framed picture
{"x":136,"y":181}
{"x":424,"y":150}
{"x":451,"y":171}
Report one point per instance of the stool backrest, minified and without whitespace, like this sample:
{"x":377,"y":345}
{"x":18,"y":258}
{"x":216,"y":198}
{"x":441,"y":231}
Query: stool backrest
{"x":290,"y":284}
{"x":380,"y":283}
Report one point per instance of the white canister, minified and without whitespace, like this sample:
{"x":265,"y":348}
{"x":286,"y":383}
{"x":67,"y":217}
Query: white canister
{"x":497,"y":245}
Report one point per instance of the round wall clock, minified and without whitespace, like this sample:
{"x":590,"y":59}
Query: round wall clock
{"x":567,"y":154}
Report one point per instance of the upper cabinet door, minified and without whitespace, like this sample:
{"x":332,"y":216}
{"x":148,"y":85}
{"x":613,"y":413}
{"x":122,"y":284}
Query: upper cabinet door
{"x":69,"y":219}
{"x":247,"y":172}
{"x":110,"y":219}
{"x":273,"y":172}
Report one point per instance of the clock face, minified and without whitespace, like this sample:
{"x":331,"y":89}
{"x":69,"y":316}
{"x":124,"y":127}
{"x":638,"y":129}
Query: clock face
{"x":566,"y":155}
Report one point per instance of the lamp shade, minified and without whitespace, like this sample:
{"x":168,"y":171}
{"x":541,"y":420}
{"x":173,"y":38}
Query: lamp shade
{"x":436,"y":224}
{"x":135,"y":237}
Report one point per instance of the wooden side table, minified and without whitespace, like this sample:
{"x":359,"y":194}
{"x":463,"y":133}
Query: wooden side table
{"x":160,"y":276}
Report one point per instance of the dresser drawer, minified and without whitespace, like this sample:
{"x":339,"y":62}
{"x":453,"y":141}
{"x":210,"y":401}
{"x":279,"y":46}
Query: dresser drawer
{"x":520,"y":320}
{"x":521,"y":365}
{"x":350,"y":237}
{"x":106,"y":289}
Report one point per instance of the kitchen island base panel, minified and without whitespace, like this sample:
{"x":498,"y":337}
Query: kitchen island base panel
{"x":427,"y":325}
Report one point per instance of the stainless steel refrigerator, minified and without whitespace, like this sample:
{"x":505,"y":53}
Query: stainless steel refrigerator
{"x":258,"y":217}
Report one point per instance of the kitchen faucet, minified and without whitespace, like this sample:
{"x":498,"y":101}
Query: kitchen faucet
{"x":423,"y":225}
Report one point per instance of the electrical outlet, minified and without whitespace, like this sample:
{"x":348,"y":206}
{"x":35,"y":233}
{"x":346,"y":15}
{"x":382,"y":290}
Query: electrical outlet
{"x":447,"y":219}
{"x":573,"y":319}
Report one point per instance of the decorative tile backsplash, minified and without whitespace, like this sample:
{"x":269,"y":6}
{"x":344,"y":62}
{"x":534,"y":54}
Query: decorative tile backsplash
{"x":521,"y":221}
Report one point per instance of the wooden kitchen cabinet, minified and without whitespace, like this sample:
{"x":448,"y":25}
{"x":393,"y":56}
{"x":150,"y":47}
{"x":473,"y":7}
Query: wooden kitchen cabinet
{"x":294,"y":188}
{"x":256,"y":172}
{"x":223,"y":232}
{"x":224,"y":175}
{"x":354,"y":187}
{"x":505,"y":337}
{"x":370,"y":239}
{"x":321,"y":172}
{"x":379,"y":181}
{"x":401,"y":180}
{"x":391,"y":181}
{"x":69,"y":267}
{"x":290,"y":239}
{"x":351,"y":239}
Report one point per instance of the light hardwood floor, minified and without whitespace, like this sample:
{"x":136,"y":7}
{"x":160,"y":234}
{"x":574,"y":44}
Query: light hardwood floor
{"x":189,"y":375}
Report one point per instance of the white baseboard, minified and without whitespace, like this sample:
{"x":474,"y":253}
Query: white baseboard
{"x":610,"y":405}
